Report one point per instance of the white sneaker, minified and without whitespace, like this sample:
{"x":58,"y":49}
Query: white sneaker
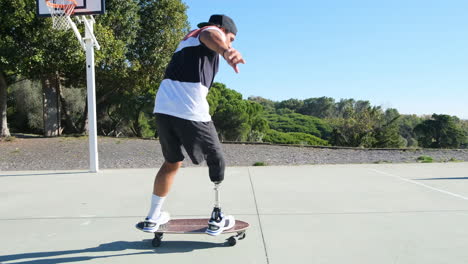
{"x":151,"y":226}
{"x":215,"y":228}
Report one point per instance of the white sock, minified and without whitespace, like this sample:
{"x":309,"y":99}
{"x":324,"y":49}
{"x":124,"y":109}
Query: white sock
{"x":156,"y":205}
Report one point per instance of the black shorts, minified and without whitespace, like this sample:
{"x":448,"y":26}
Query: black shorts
{"x":199,"y":139}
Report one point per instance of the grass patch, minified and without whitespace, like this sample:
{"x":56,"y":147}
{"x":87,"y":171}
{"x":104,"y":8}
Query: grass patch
{"x":454,"y":160}
{"x":425,"y":159}
{"x":382,"y":162}
{"x":259,"y":163}
{"x":65,"y":138}
{"x":8,"y":139}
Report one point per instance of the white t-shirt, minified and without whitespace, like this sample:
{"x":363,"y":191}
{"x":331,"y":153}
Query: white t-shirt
{"x":188,"y":78}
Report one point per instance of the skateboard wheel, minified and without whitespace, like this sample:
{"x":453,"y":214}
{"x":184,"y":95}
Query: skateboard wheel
{"x":157,"y":240}
{"x":242,"y":236}
{"x":232,"y":241}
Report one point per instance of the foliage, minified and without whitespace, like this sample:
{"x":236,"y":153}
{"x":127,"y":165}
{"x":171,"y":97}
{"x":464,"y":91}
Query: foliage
{"x":268,"y":105}
{"x":368,"y":127}
{"x":292,"y":104}
{"x":425,"y":159}
{"x":25,"y":107}
{"x":137,"y":40}
{"x":235,"y":119}
{"x":358,"y":130}
{"x":149,"y":38}
{"x":387,"y":134}
{"x":277,"y":137}
{"x":464,"y":126}
{"x":441,"y":131}
{"x":294,"y":122}
{"x":75,"y":99}
{"x":320,"y":107}
{"x":406,"y":124}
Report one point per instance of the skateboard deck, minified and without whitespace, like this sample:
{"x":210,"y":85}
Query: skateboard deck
{"x":197,"y":226}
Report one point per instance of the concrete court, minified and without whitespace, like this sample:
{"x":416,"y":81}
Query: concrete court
{"x":363,"y":214}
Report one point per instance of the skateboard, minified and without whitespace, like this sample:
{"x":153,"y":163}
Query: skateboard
{"x":197,"y":226}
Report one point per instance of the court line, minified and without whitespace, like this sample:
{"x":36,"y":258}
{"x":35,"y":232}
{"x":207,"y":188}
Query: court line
{"x":421,"y":184}
{"x":258,"y":215}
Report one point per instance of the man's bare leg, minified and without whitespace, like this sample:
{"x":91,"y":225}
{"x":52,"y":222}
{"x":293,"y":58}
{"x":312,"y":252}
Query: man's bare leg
{"x":165,"y":178}
{"x":162,"y":184}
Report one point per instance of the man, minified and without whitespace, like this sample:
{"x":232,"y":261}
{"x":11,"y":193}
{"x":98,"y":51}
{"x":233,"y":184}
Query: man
{"x":183,"y":117}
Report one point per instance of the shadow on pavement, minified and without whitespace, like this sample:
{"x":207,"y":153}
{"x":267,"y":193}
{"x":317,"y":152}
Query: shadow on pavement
{"x":145,"y":246}
{"x":453,"y":178}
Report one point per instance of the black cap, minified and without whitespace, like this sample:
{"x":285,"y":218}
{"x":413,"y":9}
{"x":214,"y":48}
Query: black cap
{"x":222,"y":21}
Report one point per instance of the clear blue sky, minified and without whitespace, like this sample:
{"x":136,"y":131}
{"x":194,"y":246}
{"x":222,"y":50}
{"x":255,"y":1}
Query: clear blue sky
{"x":408,"y":55}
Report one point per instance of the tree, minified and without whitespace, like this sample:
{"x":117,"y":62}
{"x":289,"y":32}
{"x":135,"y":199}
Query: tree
{"x":9,"y":55}
{"x":441,"y":131}
{"x":387,"y":133}
{"x":319,"y":107}
{"x":344,"y":108}
{"x":4,"y":131}
{"x":268,"y":105}
{"x":235,"y":119}
{"x":464,"y":126}
{"x":161,"y":25}
{"x":292,"y":104}
{"x":358,"y":130}
{"x":128,"y":71}
{"x":406,"y":124}
{"x":44,"y":52}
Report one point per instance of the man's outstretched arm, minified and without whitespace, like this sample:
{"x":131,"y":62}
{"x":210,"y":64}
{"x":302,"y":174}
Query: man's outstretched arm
{"x":214,"y":41}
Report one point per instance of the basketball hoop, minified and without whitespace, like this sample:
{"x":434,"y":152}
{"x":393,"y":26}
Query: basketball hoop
{"x":60,"y":10}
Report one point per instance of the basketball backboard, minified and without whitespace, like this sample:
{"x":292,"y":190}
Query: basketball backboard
{"x":84,"y":7}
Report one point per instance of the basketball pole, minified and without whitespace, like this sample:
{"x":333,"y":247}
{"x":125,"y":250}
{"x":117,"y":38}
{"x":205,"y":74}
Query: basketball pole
{"x":91,"y":87}
{"x":88,"y":43}
{"x":61,"y":13}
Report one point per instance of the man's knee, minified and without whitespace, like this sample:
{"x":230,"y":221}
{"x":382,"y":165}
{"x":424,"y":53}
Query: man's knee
{"x":170,"y":166}
{"x":216,"y":165}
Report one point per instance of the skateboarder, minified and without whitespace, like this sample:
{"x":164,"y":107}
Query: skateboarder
{"x":183,"y":118}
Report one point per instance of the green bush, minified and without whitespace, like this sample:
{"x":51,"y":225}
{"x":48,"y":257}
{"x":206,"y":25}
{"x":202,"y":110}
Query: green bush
{"x":76,"y":102}
{"x":277,"y":137}
{"x":441,"y":131}
{"x":425,"y":159}
{"x":145,"y":122}
{"x":25,"y":111}
{"x":293,"y":122}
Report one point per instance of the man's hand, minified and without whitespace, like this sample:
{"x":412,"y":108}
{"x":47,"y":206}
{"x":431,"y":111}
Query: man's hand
{"x":222,"y":45}
{"x":233,"y":57}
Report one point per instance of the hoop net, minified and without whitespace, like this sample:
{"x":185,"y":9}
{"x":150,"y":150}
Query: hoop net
{"x":60,"y":10}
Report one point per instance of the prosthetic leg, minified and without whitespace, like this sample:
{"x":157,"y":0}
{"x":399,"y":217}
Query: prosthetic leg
{"x":218,"y":222}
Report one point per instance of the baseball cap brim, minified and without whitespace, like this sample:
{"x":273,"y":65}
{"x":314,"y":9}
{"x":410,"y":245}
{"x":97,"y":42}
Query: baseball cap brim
{"x":204,"y":24}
